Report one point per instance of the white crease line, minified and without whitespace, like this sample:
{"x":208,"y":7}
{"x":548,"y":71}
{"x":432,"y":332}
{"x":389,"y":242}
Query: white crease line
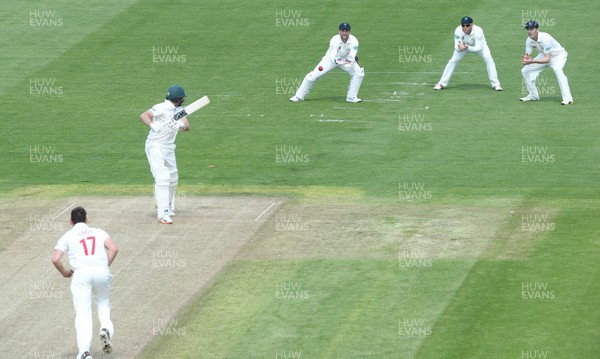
{"x":265,"y":211}
{"x":336,"y":120}
{"x":66,"y":209}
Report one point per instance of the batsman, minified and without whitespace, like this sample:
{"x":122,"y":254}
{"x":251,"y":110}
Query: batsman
{"x":160,"y":149}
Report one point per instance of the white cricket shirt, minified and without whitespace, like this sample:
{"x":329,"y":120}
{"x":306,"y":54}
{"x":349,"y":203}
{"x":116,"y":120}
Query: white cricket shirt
{"x":85,"y":246}
{"x":475,"y":40}
{"x":163,"y":115}
{"x":340,"y":51}
{"x":544,"y":44}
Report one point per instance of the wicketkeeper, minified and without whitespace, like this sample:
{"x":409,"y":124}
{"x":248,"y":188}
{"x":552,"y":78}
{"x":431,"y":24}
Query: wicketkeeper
{"x":341,"y":54}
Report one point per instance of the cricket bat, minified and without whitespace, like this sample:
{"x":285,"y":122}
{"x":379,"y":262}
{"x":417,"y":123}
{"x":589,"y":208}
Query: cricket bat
{"x":191,"y":108}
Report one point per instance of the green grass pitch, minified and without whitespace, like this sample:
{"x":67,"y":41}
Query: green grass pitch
{"x":76,"y":78}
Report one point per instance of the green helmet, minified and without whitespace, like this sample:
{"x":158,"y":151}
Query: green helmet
{"x":175,"y":92}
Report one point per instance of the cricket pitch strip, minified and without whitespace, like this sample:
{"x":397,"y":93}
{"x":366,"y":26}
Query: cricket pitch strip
{"x":158,"y":271}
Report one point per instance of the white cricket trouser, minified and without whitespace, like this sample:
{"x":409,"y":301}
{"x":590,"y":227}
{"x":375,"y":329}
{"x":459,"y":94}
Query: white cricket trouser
{"x":356,"y":73}
{"x":532,"y":71}
{"x":484,"y":53}
{"x":163,"y":166}
{"x":88,"y":282}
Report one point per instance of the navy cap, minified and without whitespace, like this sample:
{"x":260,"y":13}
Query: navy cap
{"x":531,"y":24}
{"x":345,"y":26}
{"x":466,"y":20}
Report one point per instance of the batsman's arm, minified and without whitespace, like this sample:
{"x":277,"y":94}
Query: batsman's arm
{"x":147,"y":118}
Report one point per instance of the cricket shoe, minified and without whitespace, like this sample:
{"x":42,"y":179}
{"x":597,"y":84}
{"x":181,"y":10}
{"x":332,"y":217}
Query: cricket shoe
{"x":165,"y":219}
{"x":86,"y":355}
{"x":296,"y":99}
{"x":565,"y":103}
{"x":105,"y":339}
{"x":353,"y":99}
{"x":439,"y":87}
{"x":528,"y":98}
{"x":497,"y":88}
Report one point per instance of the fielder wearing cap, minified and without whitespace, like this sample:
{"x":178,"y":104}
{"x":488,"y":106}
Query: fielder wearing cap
{"x":342,"y":51}
{"x":552,"y":54}
{"x":469,"y":37}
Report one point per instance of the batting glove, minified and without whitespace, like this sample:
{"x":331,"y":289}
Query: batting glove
{"x":177,"y":125}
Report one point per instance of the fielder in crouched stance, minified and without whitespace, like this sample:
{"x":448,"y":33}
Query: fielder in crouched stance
{"x":160,"y":149}
{"x":469,"y":38}
{"x":551,"y":54}
{"x":91,"y":251}
{"x":341,"y":54}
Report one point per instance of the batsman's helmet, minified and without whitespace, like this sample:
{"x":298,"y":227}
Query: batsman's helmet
{"x":174,"y":92}
{"x":531,"y":24}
